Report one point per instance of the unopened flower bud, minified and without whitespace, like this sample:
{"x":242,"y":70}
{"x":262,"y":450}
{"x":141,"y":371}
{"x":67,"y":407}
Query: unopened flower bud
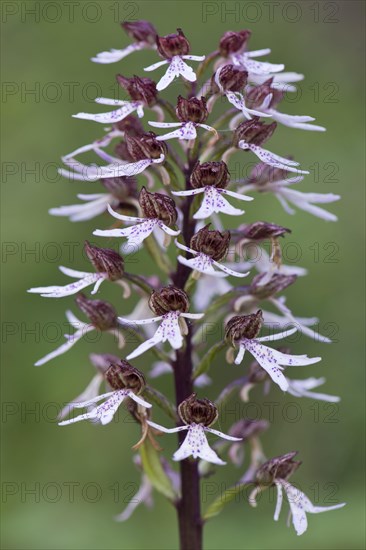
{"x":145,"y":146}
{"x":259,"y":231}
{"x":255,"y":97}
{"x":254,"y":131}
{"x":243,"y":326}
{"x":212,"y":243}
{"x":280,"y":467}
{"x":157,"y":205}
{"x":105,"y":260}
{"x":169,"y":298}
{"x":231,"y":78}
{"x":122,"y":376}
{"x":277,"y":283}
{"x":234,"y":42}
{"x":140,"y":31}
{"x":101,"y":314}
{"x":214,"y":174}
{"x":192,"y":110}
{"x":247,"y":428}
{"x":121,"y":187}
{"x":263,"y":173}
{"x":172,"y":44}
{"x":139,"y":89}
{"x":197,"y":411}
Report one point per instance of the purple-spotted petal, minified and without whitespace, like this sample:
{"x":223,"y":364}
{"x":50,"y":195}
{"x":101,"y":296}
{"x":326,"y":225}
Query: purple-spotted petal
{"x":71,"y":340}
{"x":214,"y":202}
{"x":90,"y":392}
{"x":189,"y":192}
{"x":156,"y":65}
{"x":167,"y":430}
{"x":183,"y":69}
{"x":135,"y":234}
{"x":168,"y":230}
{"x":300,"y":505}
{"x":271,"y":159}
{"x":229,"y":271}
{"x":194,"y":57}
{"x":196,"y":445}
{"x":302,"y":388}
{"x":296,"y":121}
{"x":201,"y":263}
{"x":68,"y":290}
{"x":103,"y":413}
{"x":112,"y":56}
{"x":266,"y":359}
{"x":222,"y":435}
{"x":186,"y":131}
{"x":122,"y":112}
{"x":169,"y":330}
{"x":83,"y":212}
{"x":164,"y":124}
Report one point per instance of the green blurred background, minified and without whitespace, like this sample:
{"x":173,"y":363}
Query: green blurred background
{"x":48,"y":51}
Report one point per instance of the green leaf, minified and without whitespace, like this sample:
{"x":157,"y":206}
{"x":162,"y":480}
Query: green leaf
{"x":191,"y":283}
{"x":155,"y":472}
{"x":205,"y":364}
{"x":220,"y":502}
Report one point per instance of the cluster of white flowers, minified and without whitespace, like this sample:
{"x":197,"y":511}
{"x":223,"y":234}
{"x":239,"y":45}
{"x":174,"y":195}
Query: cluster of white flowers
{"x":254,"y":89}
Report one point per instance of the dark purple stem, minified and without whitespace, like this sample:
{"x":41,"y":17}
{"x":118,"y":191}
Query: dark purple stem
{"x":188,"y":507}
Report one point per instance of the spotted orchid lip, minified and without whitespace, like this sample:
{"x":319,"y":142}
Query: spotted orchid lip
{"x":195,"y":443}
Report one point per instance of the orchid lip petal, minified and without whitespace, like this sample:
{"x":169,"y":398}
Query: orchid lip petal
{"x":112,"y":56}
{"x":185,"y":248}
{"x":167,"y":430}
{"x":196,"y":445}
{"x":229,"y":271}
{"x":66,"y":346}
